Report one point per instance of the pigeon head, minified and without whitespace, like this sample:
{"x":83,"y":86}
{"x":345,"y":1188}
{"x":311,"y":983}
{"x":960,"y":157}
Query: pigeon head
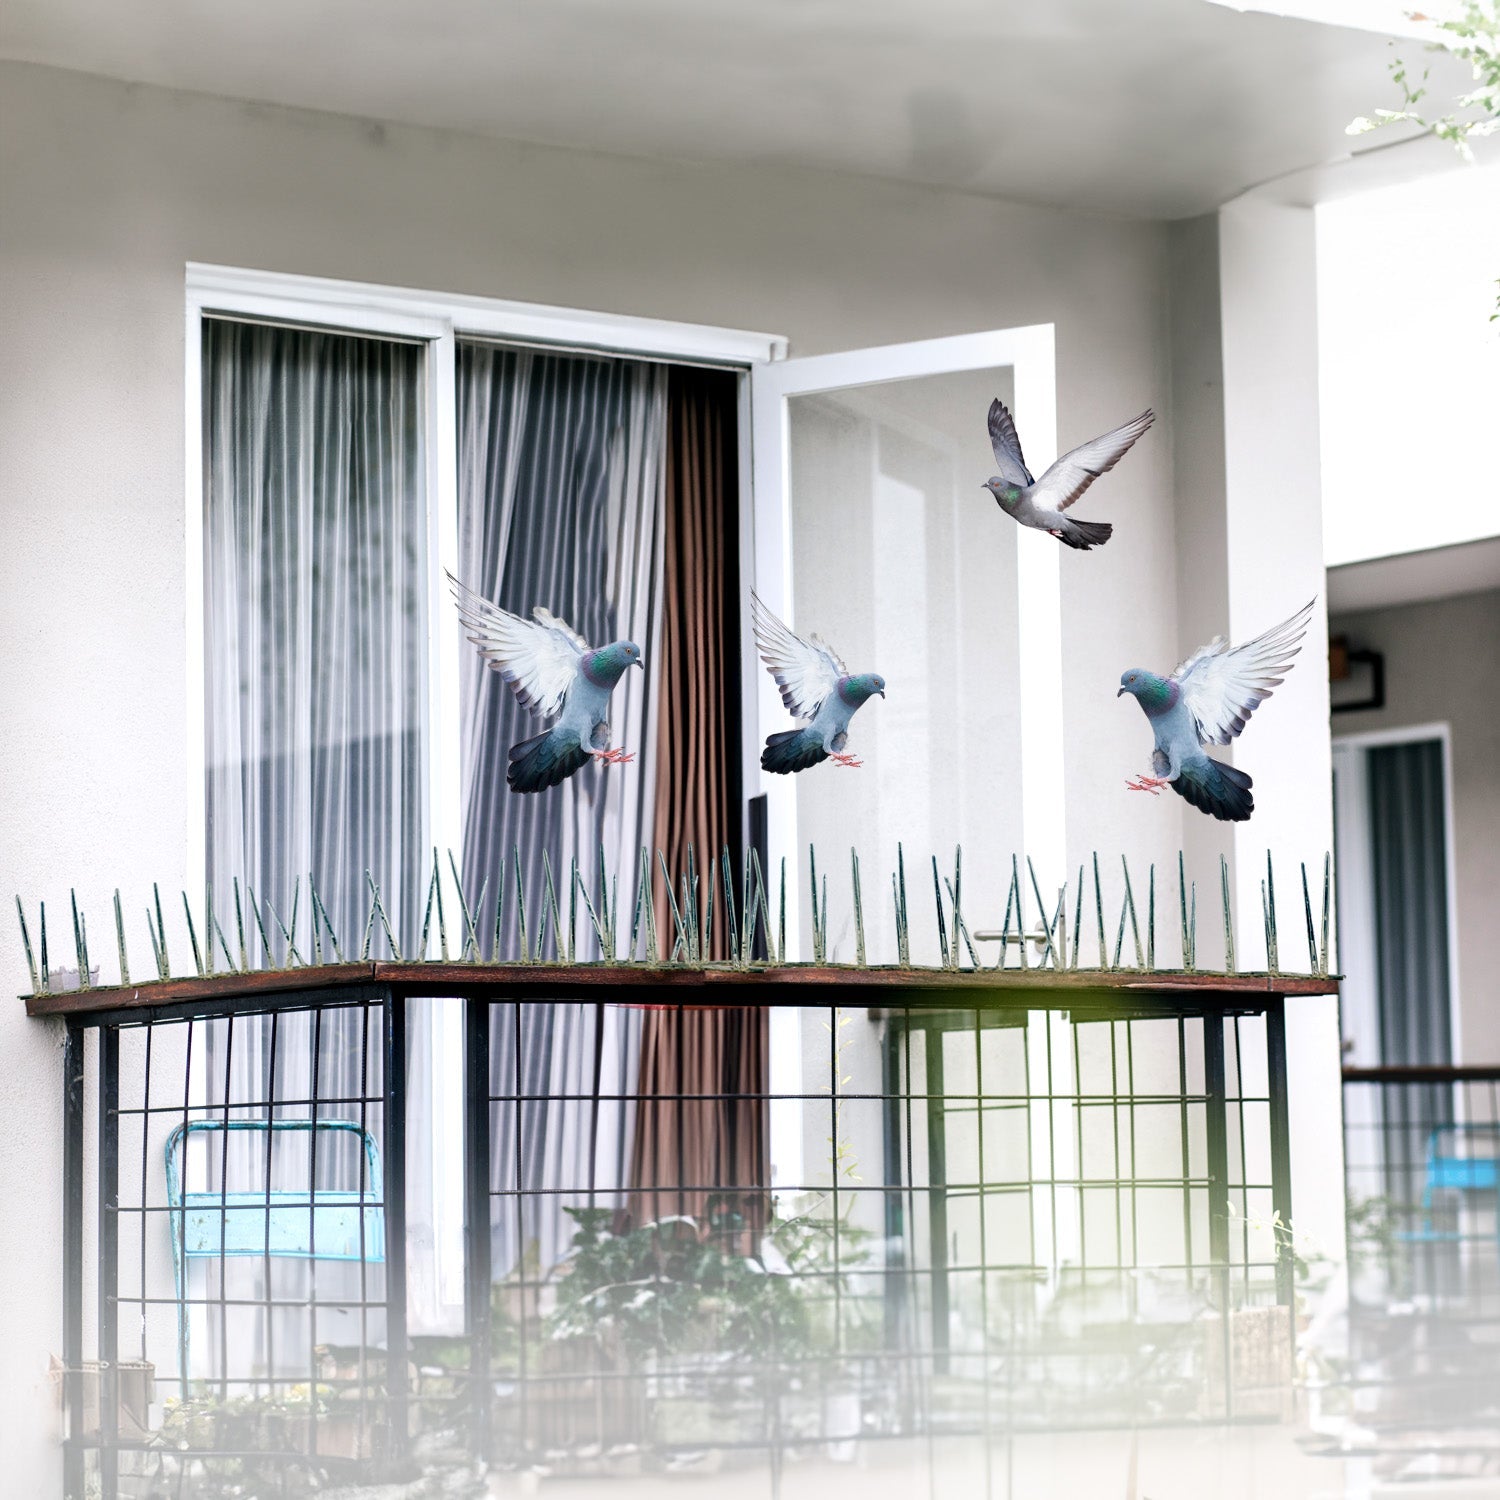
{"x":1152,"y":692}
{"x":606,"y":665}
{"x":865,"y":685}
{"x":1003,"y":491}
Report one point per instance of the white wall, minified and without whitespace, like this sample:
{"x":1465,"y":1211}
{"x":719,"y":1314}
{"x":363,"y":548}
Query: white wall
{"x":1442,"y":666}
{"x":108,"y":190}
{"x":1411,"y":365}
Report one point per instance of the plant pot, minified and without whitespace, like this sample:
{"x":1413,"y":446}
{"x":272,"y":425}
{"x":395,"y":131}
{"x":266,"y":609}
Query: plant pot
{"x":136,"y":1392}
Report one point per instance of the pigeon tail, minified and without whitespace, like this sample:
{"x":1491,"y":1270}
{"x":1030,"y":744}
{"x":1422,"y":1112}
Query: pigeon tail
{"x":1220,"y":790}
{"x":1084,"y":534}
{"x":544,"y":761}
{"x":792,"y":750}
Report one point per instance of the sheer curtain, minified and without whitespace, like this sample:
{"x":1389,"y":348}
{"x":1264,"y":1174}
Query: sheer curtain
{"x":560,"y":486}
{"x":315,"y":676}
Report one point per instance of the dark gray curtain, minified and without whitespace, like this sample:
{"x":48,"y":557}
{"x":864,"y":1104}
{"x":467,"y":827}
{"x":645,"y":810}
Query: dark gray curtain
{"x":1411,"y":901}
{"x":560,"y":505}
{"x":1411,"y":945}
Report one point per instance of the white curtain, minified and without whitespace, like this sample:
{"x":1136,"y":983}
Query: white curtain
{"x":561,"y":497}
{"x":316,"y":578}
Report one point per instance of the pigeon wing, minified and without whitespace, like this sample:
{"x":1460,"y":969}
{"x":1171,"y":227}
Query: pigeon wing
{"x":539,"y":658}
{"x":1007,"y":446}
{"x":805,"y":671}
{"x":1223,"y":685}
{"x":1076,"y":470}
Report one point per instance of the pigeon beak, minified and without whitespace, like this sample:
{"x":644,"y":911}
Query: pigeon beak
{"x":1121,"y":693}
{"x":881,"y":692}
{"x":639,"y":663}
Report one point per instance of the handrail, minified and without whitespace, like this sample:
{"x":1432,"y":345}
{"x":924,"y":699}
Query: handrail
{"x":718,"y":985}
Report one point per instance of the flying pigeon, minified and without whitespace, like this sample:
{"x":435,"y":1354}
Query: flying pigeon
{"x":1041,"y":502}
{"x":552,"y":670}
{"x":817,"y":687}
{"x":1207,"y":701}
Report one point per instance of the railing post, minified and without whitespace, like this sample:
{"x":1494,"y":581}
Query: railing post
{"x":109,"y":1243}
{"x":937,"y":1200}
{"x":1281,"y":1166}
{"x":1218,"y":1185}
{"x":393,"y":1079}
{"x":72,"y":1339}
{"x":477,"y":1216}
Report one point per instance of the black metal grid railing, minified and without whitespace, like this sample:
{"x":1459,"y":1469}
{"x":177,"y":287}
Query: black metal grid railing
{"x":926,"y":1215}
{"x":1422,"y":1164}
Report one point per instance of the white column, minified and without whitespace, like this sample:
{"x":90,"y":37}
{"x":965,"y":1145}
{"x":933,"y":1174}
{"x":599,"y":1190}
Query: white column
{"x":1267,"y":267}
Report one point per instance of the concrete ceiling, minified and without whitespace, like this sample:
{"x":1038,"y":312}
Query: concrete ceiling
{"x":1157,"y":108}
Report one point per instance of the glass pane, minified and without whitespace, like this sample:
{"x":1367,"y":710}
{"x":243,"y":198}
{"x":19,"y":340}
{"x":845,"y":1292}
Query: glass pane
{"x":906,"y":566}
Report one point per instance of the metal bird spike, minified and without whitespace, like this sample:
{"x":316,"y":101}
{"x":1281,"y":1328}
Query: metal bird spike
{"x":956,"y":896}
{"x":364,"y":946}
{"x":859,"y":909}
{"x":1228,"y":916}
{"x":1048,"y":928}
{"x":763,"y":902}
{"x":553,"y":909}
{"x":1010,"y":906}
{"x":239,"y":927}
{"x":164,"y":963}
{"x":572,"y":914}
{"x":781,"y":923}
{"x":642,"y":880}
{"x":731,"y":915}
{"x":78,"y":945}
{"x":960,"y":929}
{"x":680,"y":942}
{"x":216,"y":931}
{"x":1274,"y":952}
{"x":378,"y":907}
{"x":1135,"y":929}
{"x":1182,"y":910}
{"x":903,"y":920}
{"x":427,"y":912}
{"x":1078,"y":919}
{"x":1327,"y":891}
{"x":291,"y":936}
{"x":320,"y":913}
{"x":192,"y":935}
{"x":208,"y":926}
{"x":46,"y":972}
{"x":467,"y":933}
{"x":155,"y":950}
{"x":1120,"y":936}
{"x":937,"y":896}
{"x":260,"y":926}
{"x":1151,"y":919}
{"x":515,"y":850}
{"x":1099,"y":911}
{"x":437,"y":886}
{"x":593,"y":916}
{"x":26,"y":942}
{"x":1312,"y":938}
{"x":1015,"y":883}
{"x":1193,"y":929}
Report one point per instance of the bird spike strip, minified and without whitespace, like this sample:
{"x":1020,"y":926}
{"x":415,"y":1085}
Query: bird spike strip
{"x":717,"y":917}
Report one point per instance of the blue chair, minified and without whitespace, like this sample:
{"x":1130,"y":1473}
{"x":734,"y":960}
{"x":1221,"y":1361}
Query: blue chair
{"x":345,"y":1224}
{"x":1453,"y":1170}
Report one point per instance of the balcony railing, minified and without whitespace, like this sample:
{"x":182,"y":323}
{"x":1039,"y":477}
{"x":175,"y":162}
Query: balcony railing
{"x":1422,"y":1155}
{"x":1007,"y":1207}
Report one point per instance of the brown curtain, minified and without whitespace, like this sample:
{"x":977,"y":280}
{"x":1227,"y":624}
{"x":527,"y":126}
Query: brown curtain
{"x":704,"y":1157}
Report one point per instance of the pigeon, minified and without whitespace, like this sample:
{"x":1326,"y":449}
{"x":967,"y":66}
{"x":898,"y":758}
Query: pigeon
{"x":1207,"y":701}
{"x":553,"y":671}
{"x":817,"y":687}
{"x":1041,"y":502}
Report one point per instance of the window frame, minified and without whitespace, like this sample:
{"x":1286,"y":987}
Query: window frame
{"x":437,"y":321}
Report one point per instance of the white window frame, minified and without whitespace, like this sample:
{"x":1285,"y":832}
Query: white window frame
{"x":437,"y":320}
{"x":1030,"y":354}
